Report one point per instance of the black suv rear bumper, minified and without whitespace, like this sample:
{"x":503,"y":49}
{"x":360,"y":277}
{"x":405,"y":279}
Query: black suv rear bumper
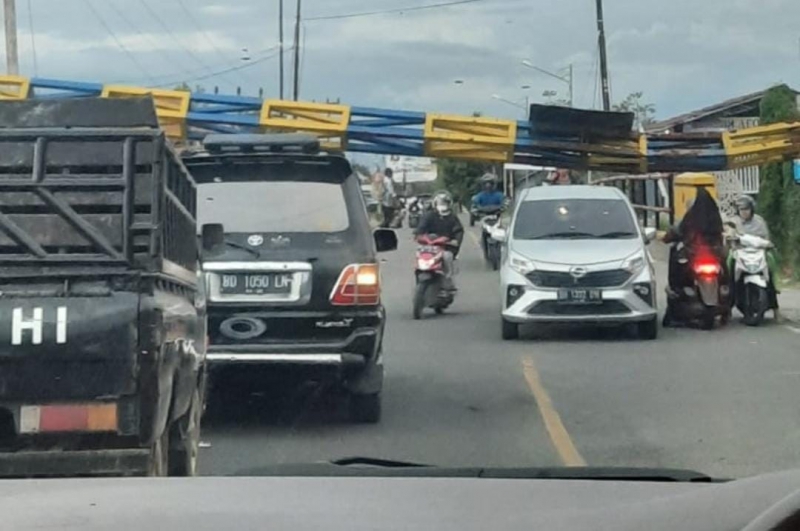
{"x":354,"y":351}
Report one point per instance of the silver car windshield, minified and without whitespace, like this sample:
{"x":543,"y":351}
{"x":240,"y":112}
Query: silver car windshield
{"x":574,"y":219}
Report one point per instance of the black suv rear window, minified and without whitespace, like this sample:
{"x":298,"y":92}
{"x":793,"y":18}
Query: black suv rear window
{"x":278,"y":206}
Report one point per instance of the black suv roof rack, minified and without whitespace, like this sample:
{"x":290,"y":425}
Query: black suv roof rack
{"x":258,"y":143}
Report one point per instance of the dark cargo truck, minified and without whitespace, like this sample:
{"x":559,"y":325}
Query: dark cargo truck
{"x":102,"y":324}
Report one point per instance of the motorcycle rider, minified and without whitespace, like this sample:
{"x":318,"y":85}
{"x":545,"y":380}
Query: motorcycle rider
{"x":749,"y":223}
{"x":443,"y":222}
{"x":699,"y":232}
{"x":489,"y":194}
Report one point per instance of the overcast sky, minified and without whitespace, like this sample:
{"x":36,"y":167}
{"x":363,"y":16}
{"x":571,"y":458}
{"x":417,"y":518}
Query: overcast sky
{"x":682,"y":54}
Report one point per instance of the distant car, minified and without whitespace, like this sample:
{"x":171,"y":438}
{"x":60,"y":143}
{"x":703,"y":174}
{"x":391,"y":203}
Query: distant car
{"x":290,"y":262}
{"x":577,"y":254}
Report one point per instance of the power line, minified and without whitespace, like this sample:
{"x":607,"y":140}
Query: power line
{"x":394,"y":10}
{"x":116,"y":39}
{"x":147,"y":36}
{"x":33,"y":39}
{"x":223,"y":71}
{"x":172,"y":35}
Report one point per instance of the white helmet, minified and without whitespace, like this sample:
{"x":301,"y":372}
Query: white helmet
{"x":443,"y":203}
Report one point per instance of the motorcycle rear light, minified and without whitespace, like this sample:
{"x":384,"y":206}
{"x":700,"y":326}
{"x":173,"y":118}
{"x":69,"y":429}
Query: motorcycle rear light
{"x":707,"y":268}
{"x":358,"y":284}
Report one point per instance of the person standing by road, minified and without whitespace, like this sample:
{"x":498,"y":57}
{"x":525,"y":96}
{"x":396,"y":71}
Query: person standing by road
{"x":388,"y":198}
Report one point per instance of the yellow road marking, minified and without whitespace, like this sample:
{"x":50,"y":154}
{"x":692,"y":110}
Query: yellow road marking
{"x":552,"y":421}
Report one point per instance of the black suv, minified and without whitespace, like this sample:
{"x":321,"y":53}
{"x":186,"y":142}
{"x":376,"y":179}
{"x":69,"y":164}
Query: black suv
{"x":290,"y":262}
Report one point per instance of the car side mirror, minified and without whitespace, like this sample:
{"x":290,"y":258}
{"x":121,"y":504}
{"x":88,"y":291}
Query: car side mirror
{"x":385,"y":240}
{"x":649,"y":234}
{"x":212,"y":236}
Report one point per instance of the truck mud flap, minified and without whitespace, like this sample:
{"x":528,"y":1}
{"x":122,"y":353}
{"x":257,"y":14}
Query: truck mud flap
{"x":75,"y":463}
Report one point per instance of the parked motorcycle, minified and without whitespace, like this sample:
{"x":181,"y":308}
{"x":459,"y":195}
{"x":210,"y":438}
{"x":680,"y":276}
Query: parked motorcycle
{"x":490,"y":217}
{"x":414,"y":213}
{"x":431,"y":290}
{"x":706,"y":299}
{"x":753,"y":292}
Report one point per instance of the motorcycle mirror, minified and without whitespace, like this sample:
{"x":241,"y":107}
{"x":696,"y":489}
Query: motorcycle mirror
{"x":212,"y":235}
{"x":385,"y":240}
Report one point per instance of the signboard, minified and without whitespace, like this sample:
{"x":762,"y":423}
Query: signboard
{"x":413,"y":169}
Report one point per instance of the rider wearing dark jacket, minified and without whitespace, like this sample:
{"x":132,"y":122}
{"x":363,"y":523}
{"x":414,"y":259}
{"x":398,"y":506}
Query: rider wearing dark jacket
{"x":701,"y":233}
{"x":442,"y":221}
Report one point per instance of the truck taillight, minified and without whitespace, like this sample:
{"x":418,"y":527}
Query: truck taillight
{"x":359,"y":284}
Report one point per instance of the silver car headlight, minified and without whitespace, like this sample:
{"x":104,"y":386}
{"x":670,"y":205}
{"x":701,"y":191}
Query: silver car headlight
{"x":520,"y":264}
{"x":635,"y":264}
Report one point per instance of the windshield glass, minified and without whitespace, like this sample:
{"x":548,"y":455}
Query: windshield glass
{"x":284,"y":206}
{"x":210,"y":221}
{"x":575,"y":219}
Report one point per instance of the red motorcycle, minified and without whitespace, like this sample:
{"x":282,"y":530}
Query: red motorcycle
{"x":431,"y":290}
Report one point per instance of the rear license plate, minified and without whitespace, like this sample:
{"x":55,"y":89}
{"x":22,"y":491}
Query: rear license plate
{"x":580,"y":296}
{"x":255,"y":284}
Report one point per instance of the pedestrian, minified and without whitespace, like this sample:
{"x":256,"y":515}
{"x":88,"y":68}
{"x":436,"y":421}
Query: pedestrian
{"x":388,"y":198}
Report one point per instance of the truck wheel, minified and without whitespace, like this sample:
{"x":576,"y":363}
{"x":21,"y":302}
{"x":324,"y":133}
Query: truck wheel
{"x":510,"y":330}
{"x":185,"y":436}
{"x":159,"y":456}
{"x":365,"y":409}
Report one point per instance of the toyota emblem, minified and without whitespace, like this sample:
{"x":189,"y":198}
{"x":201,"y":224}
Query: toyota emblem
{"x":255,"y":240}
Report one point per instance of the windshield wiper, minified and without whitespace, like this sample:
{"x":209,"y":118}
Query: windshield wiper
{"x":617,"y":234}
{"x":237,"y":245}
{"x":372,"y":461}
{"x":565,"y":234}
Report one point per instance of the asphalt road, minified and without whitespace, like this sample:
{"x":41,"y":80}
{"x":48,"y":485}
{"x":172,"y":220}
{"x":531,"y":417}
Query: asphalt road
{"x":725,"y":402}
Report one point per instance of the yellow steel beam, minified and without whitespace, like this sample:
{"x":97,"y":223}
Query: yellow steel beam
{"x":469,"y":137}
{"x":172,"y":106}
{"x":14,"y":87}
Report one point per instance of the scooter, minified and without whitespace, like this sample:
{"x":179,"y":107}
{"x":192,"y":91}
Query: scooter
{"x":753,"y":292}
{"x":708,"y":298}
{"x":430,"y":290}
{"x":414,"y":213}
{"x":490,"y":217}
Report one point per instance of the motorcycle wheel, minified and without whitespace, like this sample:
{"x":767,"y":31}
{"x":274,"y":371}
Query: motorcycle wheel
{"x":419,"y":299}
{"x":494,"y":257}
{"x":471,"y":221}
{"x":754,"y":306}
{"x":439,"y":310}
{"x":708,"y":319}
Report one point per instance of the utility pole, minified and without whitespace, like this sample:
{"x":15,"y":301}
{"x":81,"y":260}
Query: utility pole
{"x":297,"y":53}
{"x":12,"y":56}
{"x":280,"y":38}
{"x":601,"y":40}
{"x":571,"y":85}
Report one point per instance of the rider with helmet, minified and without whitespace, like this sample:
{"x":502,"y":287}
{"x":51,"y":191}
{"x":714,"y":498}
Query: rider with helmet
{"x":442,"y":221}
{"x":489,"y":194}
{"x":747,"y":221}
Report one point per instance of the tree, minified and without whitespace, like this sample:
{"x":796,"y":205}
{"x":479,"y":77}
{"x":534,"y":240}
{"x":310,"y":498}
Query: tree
{"x":778,"y":197}
{"x":644,"y":113}
{"x":183,"y":87}
{"x":460,"y":177}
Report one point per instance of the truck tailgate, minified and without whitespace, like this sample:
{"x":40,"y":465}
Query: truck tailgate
{"x":68,"y":348}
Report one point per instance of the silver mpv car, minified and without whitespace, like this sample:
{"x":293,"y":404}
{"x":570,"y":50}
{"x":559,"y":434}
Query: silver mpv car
{"x":577,"y":254}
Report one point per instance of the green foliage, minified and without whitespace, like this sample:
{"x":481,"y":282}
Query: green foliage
{"x":644,"y":113}
{"x":460,"y":177}
{"x":779,"y":197}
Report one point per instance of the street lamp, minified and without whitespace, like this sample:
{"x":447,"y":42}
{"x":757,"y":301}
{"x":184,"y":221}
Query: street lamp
{"x":568,"y":79}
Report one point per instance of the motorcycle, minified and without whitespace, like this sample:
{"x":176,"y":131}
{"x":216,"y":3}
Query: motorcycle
{"x":706,"y":299}
{"x":414,"y":213}
{"x":431,"y":290}
{"x":754,"y":293}
{"x":490,"y":217}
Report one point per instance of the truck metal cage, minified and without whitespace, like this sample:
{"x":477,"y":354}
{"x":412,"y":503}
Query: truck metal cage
{"x":92,"y":186}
